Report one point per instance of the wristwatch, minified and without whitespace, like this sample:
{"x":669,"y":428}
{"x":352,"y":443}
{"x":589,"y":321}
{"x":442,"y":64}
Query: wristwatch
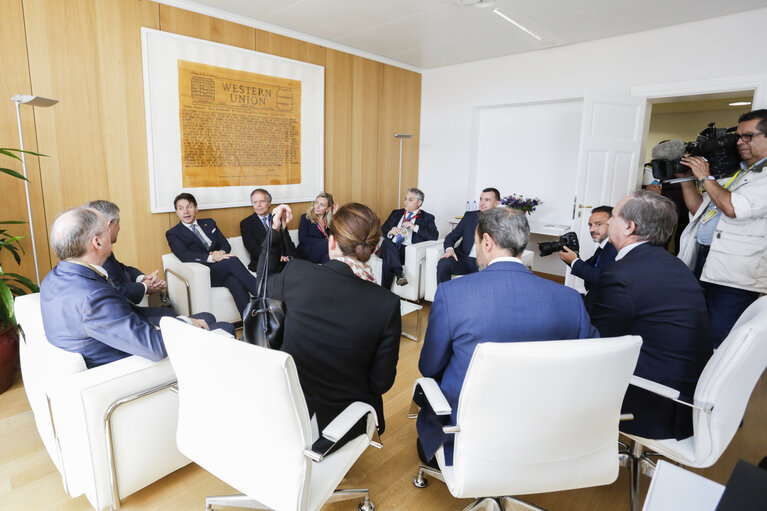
{"x":708,"y":178}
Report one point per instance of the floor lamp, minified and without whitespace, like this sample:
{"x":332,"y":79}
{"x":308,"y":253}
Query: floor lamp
{"x":31,"y":101}
{"x":400,"y":136}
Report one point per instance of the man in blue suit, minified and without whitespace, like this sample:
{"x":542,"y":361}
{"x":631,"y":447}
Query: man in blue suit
{"x":462,"y":260}
{"x":604,"y":257}
{"x":504,"y":302}
{"x":404,"y":227}
{"x":82,"y":312}
{"x":650,"y":293}
{"x":200,"y":241}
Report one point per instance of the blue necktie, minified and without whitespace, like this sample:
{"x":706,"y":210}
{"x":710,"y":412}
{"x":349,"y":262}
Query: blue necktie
{"x":400,"y":238}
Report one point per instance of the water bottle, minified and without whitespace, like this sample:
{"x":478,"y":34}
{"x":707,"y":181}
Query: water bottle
{"x":474,"y":206}
{"x":468,"y":206}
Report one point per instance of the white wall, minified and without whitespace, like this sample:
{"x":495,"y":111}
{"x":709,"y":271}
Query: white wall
{"x":707,"y":50}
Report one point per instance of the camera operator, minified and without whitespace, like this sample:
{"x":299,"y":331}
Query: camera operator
{"x":725,"y":243}
{"x":604,"y":257}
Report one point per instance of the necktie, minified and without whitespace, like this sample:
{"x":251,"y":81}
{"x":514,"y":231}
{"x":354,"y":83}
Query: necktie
{"x":265,"y":221}
{"x":197,"y":232}
{"x":598,"y":254}
{"x":409,"y":216}
{"x":400,"y":238}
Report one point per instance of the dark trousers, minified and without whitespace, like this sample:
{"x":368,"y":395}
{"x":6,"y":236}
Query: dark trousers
{"x":725,"y":304}
{"x":233,"y":275}
{"x":448,"y":267}
{"x":392,"y":257}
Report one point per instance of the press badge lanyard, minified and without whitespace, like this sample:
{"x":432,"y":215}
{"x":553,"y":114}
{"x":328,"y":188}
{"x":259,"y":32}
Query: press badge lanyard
{"x":713,"y":210}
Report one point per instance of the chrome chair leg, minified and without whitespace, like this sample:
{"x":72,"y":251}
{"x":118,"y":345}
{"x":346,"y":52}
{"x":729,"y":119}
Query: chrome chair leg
{"x":420,"y":481}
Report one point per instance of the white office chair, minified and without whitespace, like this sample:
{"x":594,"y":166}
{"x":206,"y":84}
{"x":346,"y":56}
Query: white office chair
{"x":534,"y":417}
{"x":413,"y":268}
{"x":110,"y":430}
{"x":243,"y":418}
{"x":720,"y":400}
{"x":435,"y":252}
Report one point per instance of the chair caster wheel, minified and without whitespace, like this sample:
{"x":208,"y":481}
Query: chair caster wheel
{"x":420,"y":481}
{"x":366,"y":505}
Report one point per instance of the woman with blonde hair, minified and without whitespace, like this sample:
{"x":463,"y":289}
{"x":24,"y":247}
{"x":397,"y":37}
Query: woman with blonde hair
{"x":313,"y":229}
{"x":342,"y":329}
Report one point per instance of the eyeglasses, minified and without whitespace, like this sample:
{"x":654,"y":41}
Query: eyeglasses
{"x":746,"y":137}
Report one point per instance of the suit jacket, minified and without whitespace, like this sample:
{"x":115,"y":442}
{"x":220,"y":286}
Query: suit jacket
{"x":84,"y":314}
{"x":503,"y":303}
{"x":188,"y":247}
{"x":464,"y":230}
{"x":343,"y":333}
{"x":312,"y":244}
{"x":589,"y":271}
{"x":651,"y":293}
{"x":427,"y":229}
{"x":124,"y":279}
{"x":253,"y":234}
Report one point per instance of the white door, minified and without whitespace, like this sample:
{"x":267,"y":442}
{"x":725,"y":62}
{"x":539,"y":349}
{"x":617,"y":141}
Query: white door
{"x":610,"y":161}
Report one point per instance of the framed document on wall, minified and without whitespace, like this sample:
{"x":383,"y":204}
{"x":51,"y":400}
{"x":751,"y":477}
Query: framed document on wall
{"x":222,"y":121}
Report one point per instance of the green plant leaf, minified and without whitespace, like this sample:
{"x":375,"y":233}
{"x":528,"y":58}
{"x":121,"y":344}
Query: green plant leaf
{"x":12,"y":222}
{"x":13,"y":173}
{"x":6,"y":305}
{"x":10,"y":152}
{"x":21,"y":279}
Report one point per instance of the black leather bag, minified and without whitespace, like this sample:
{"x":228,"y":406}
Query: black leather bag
{"x":263,"y":320}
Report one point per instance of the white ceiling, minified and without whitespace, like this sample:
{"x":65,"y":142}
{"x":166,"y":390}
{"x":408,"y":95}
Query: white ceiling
{"x":433,"y":33}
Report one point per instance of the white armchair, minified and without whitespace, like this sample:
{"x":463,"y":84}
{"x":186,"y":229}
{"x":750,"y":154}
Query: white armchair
{"x":109,"y":430}
{"x":534,"y":417}
{"x":721,"y":396}
{"x":435,"y":252}
{"x":413,"y":268}
{"x":243,"y":418}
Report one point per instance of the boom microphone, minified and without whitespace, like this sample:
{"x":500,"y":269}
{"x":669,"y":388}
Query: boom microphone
{"x":671,"y":150}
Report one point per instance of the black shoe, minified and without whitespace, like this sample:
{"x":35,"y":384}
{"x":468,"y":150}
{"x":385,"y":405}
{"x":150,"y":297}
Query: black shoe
{"x":401,"y":280}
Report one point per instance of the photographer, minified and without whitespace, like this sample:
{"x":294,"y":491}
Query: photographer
{"x":725,"y":243}
{"x":604,"y":257}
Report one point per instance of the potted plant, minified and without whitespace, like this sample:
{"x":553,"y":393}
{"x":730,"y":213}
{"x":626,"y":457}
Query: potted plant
{"x":11,"y":285}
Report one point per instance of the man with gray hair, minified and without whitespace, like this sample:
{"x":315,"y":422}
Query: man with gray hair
{"x":404,"y":227}
{"x":130,"y":281}
{"x":82,"y":312}
{"x":503,"y":302}
{"x":650,"y":293}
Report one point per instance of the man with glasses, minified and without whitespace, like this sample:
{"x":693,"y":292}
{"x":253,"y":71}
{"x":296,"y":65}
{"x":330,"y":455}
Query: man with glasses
{"x":253,"y":229}
{"x":725,"y":243}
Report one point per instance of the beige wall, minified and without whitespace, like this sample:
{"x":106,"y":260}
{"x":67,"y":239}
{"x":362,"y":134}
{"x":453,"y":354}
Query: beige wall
{"x":87,"y":54}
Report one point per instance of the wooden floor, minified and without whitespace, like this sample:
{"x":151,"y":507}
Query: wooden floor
{"x":29,"y":481}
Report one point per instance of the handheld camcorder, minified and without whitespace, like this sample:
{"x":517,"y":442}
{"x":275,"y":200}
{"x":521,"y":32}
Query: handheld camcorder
{"x":717,"y":145}
{"x":569,"y":240}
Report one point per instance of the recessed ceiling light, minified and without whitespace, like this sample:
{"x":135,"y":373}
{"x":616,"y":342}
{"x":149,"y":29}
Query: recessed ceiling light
{"x":740,"y":103}
{"x":474,"y":3}
{"x":517,"y":24}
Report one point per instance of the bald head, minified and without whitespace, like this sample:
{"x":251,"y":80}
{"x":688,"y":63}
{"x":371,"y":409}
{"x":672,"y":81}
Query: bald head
{"x":75,"y":231}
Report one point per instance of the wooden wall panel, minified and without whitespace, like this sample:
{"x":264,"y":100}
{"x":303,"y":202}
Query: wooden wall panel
{"x":13,"y":204}
{"x":87,"y":54}
{"x":398,"y":112}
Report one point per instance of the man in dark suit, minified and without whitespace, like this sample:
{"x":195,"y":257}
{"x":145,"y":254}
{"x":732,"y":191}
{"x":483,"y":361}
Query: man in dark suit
{"x":404,"y":227}
{"x":253,"y":229}
{"x":462,"y":260}
{"x":82,"y":312}
{"x":130,"y":281}
{"x":504,"y":302}
{"x":651,"y":293}
{"x":194,"y":241}
{"x":603,"y":257}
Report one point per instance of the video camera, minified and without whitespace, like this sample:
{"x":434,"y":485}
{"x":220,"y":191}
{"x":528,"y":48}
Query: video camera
{"x":569,"y":240}
{"x":717,"y":145}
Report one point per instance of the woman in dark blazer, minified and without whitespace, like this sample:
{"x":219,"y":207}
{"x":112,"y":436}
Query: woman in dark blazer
{"x":342,"y":329}
{"x":313,"y":229}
